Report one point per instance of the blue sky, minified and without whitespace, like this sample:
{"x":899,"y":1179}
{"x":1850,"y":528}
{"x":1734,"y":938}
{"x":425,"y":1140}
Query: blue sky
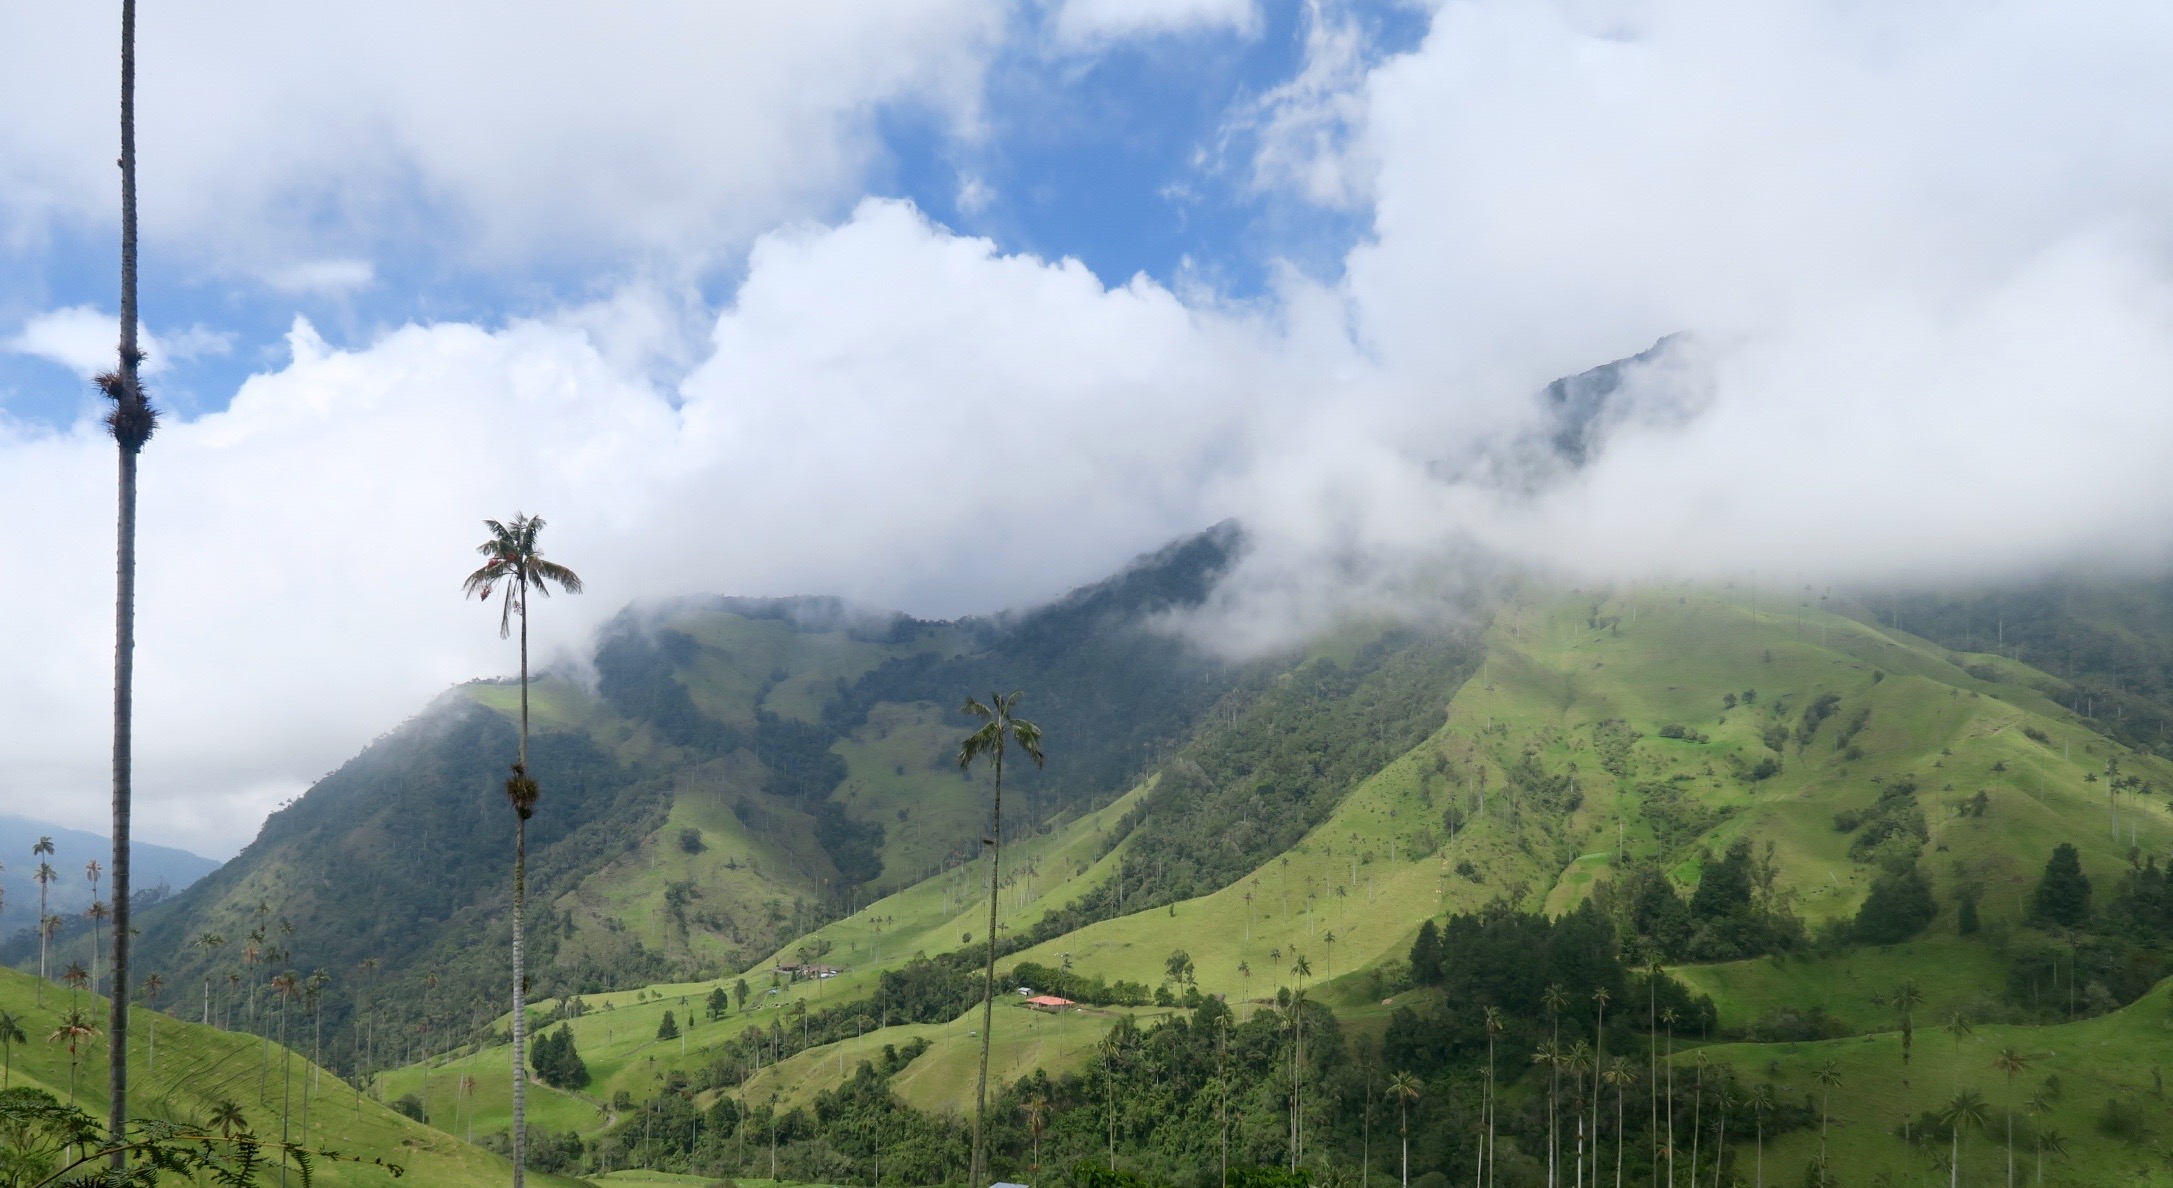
{"x":1133,"y":155}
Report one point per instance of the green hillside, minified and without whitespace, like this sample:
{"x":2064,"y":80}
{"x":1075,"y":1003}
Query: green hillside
{"x":1600,"y":735}
{"x":741,"y":772}
{"x":182,"y":1071}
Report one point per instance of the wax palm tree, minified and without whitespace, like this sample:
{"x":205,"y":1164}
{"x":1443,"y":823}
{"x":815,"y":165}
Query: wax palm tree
{"x":1828,"y":1078}
{"x":287,"y":987}
{"x":1697,"y":1110}
{"x":1329,"y":940}
{"x":131,"y":421}
{"x":11,"y":1034}
{"x":228,"y":1117}
{"x":1000,"y":727}
{"x":76,"y":978}
{"x":1577,"y":1061}
{"x":210,"y":943}
{"x":1037,"y":1121}
{"x":1494,"y":1028}
{"x":1966,"y":1110}
{"x":96,"y":914}
{"x":45,"y":874}
{"x":2053,"y":1141}
{"x":2009,"y":1063}
{"x":1668,"y":1019}
{"x":1549,"y":1056}
{"x":1405,"y":1089}
{"x":1959,"y":1028}
{"x":151,"y":988}
{"x":76,"y":1029}
{"x":1905,"y":1000}
{"x":1619,"y":1074}
{"x":1722,"y":1101}
{"x":1554,"y":999}
{"x":1599,"y":1063}
{"x":1652,"y":1049}
{"x":512,"y":560}
{"x":1762,"y":1102}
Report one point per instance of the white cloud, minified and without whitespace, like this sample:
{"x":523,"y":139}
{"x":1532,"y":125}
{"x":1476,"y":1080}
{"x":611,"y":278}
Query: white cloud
{"x":1923,"y":247}
{"x":887,"y":412}
{"x":1307,"y":132}
{"x":84,"y":340}
{"x":486,"y":132}
{"x":1090,"y":22}
{"x":322,"y":276}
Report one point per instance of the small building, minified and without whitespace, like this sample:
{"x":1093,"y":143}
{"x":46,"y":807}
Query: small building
{"x":1050,"y":1003}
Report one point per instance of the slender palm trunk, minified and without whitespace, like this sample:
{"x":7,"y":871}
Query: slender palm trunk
{"x":1761,"y":1149}
{"x":286,"y":1085}
{"x":43,"y":937}
{"x":1403,"y":1124}
{"x":1954,"y":1156}
{"x":520,"y":894}
{"x":2010,"y":1149}
{"x":124,"y":632}
{"x":1599,"y":1061}
{"x":988,"y":987}
{"x":1618,"y":1135}
{"x":1697,"y":1121}
{"x":1490,"y":1161}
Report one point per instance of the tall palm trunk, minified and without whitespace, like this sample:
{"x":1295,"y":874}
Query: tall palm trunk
{"x":520,"y":895}
{"x":131,"y":427}
{"x":1618,"y":1134}
{"x":1599,"y":1061}
{"x":988,"y":986}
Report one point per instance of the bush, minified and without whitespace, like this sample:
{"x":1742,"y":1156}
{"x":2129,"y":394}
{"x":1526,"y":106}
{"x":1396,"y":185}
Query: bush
{"x":1899,"y":906}
{"x":412,"y":1106}
{"x":690,"y":840}
{"x":2122,"y":1120}
{"x":669,"y":1028}
{"x":1764,"y":769}
{"x":1784,"y":1025}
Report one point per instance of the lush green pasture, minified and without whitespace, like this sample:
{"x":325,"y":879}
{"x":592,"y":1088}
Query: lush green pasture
{"x":2122,"y":1056}
{"x":182,"y":1071}
{"x":1854,"y":986}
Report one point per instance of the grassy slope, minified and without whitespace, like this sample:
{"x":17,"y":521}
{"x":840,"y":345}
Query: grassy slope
{"x":617,"y":1037}
{"x":2115,"y":1055}
{"x":1930,"y":721}
{"x":198,"y":1067}
{"x":1953,"y":974}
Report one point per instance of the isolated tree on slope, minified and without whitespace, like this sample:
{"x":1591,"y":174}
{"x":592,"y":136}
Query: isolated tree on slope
{"x":2063,"y":894}
{"x":45,"y":874}
{"x":998,"y":730}
{"x":511,"y":559}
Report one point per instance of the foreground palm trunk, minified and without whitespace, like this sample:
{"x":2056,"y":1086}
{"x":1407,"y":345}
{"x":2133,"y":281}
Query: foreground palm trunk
{"x":131,"y":423}
{"x":1000,"y":728}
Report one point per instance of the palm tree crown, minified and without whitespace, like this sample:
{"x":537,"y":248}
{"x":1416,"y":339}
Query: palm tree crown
{"x":512,"y":559}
